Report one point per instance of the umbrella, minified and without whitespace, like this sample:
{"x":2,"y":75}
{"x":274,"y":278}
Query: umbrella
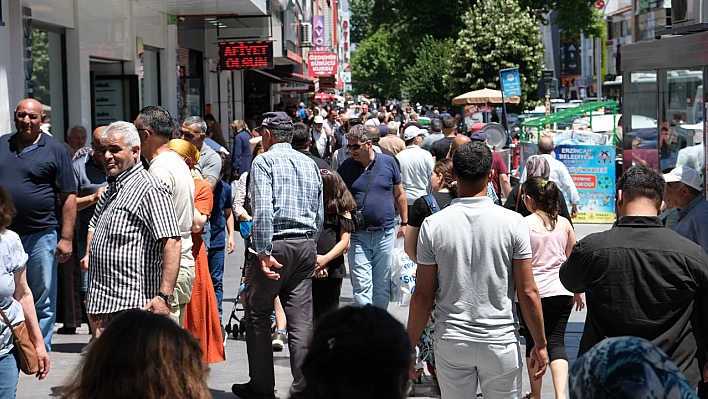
{"x":322,"y":97}
{"x":484,"y":96}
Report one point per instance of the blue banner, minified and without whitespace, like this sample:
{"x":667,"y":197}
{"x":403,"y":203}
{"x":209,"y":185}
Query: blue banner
{"x":592,"y":169}
{"x":510,"y":82}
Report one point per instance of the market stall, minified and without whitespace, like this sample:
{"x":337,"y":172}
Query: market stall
{"x":589,"y":155}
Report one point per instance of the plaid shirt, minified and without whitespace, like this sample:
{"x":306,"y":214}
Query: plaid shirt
{"x":286,"y":196}
{"x":125,"y":255}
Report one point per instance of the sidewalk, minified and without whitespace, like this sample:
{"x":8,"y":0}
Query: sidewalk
{"x":66,"y":348}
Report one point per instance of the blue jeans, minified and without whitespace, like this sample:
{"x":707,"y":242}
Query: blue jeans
{"x":216,"y":269}
{"x":206,"y":235}
{"x":370,"y":261}
{"x":9,"y":374}
{"x":42,"y":278}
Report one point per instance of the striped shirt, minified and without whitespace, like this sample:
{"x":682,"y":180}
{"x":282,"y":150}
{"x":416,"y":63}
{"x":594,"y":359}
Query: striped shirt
{"x":125,"y":255}
{"x":286,"y":196}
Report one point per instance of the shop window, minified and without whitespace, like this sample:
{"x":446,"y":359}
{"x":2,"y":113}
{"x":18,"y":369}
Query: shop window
{"x":48,"y":79}
{"x":638,"y":122}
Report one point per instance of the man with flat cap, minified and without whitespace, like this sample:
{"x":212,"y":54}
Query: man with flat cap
{"x":288,"y":212}
{"x":683,"y":191}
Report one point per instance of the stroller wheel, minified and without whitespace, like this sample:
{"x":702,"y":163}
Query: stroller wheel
{"x":228,"y":328}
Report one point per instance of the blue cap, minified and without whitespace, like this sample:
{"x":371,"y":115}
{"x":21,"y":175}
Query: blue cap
{"x":277,"y":120}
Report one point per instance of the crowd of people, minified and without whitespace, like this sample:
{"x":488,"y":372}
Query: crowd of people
{"x":136,"y":228}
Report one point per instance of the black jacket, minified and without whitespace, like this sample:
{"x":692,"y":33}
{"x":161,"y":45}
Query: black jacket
{"x":643,"y":280}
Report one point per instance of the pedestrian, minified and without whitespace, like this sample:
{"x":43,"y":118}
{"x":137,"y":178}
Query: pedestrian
{"x":627,"y":367}
{"x":332,"y":243}
{"x":322,"y":140}
{"x":441,"y":147}
{"x":91,"y":181}
{"x":147,"y":356}
{"x":641,"y":279}
{"x":302,"y":141}
{"x":133,"y":255}
{"x":75,"y":139}
{"x":334,"y":368}
{"x":36,"y":170}
{"x":240,"y":151}
{"x":552,"y":239}
{"x":500,"y":179}
{"x":16,"y":303}
{"x":201,"y":315}
{"x":221,"y":222}
{"x":435,"y":134}
{"x":154,"y":125}
{"x":559,"y":174}
{"x":480,"y":256}
{"x":462,"y":139}
{"x":343,"y":153}
{"x":391,"y":141}
{"x":214,"y":131}
{"x":536,"y":165}
{"x":339,"y":134}
{"x":374,"y":180}
{"x":194,"y":130}
{"x":286,"y":194}
{"x":444,"y":191}
{"x":683,"y":191}
{"x":416,"y":165}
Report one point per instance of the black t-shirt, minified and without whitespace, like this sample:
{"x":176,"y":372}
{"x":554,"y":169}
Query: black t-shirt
{"x":329,"y":237}
{"x":420,"y":210}
{"x":440,"y":148}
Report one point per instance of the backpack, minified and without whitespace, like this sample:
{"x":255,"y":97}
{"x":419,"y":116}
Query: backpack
{"x":432,"y":203}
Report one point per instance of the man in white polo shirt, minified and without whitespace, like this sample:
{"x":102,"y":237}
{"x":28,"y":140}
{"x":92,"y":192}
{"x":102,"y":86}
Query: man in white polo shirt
{"x":416,"y":165}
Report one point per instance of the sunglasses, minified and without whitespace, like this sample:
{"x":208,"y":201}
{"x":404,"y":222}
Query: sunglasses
{"x":22,"y":115}
{"x":355,"y":147}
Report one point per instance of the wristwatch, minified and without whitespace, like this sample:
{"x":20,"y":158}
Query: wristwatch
{"x":404,"y":224}
{"x":168,"y":298}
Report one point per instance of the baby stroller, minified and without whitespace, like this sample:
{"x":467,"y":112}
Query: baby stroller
{"x":237,"y":325}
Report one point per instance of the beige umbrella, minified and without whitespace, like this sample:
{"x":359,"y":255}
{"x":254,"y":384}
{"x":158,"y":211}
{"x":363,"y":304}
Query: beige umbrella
{"x":484,"y":96}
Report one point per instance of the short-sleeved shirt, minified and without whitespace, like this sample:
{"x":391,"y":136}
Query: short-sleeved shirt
{"x":35,"y":177}
{"x":132,"y":216}
{"x":209,"y":162}
{"x":416,"y":167}
{"x":473,"y":242}
{"x":440,"y":148}
{"x":12,"y":260}
{"x":89,"y":178}
{"x":379,"y":212}
{"x":222,"y":201}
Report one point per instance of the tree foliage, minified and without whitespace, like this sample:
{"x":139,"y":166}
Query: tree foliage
{"x":498,"y":34}
{"x":360,"y":11}
{"x":572,"y":16}
{"x":375,"y":69}
{"x":426,"y":79}
{"x":40,"y":66}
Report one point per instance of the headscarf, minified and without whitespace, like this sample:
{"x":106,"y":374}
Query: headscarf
{"x":537,"y":165}
{"x":627,"y":367}
{"x":189,"y":152}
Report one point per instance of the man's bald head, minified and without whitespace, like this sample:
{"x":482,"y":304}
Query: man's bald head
{"x":96,"y":145}
{"x":458,"y":141}
{"x":545,"y":145}
{"x":28,"y":120}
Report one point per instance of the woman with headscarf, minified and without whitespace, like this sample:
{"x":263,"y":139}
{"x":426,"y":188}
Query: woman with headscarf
{"x":240,"y":152}
{"x":202,"y":313}
{"x":536,"y":165}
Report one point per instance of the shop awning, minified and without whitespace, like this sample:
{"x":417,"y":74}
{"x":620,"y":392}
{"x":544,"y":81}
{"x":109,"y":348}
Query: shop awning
{"x":568,"y":113}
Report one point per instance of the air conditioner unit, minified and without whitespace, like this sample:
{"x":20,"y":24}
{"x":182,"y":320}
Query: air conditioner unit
{"x":306,"y":34}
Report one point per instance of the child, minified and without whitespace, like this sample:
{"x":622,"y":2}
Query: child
{"x":333,"y":242}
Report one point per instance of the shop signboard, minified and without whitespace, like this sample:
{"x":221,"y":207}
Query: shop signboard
{"x":510,"y":82}
{"x":246,"y":55}
{"x":322,"y":63}
{"x":592,"y":168}
{"x":318,"y":36}
{"x":328,"y":82}
{"x":294,"y":87}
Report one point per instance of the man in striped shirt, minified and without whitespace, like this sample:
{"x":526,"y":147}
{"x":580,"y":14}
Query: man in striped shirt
{"x":134,"y":238}
{"x":288,"y":212}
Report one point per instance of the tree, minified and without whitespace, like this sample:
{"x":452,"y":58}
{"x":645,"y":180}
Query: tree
{"x":360,"y":11}
{"x":427,"y":79}
{"x":375,"y":68}
{"x":40,"y":66}
{"x":498,"y":34}
{"x":573,"y":16}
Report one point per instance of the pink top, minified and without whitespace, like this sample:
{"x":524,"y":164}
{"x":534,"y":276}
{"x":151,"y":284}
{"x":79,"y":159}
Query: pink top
{"x":548,"y":255}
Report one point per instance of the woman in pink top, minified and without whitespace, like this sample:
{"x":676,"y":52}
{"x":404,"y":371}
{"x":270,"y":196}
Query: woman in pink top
{"x":552,"y":238}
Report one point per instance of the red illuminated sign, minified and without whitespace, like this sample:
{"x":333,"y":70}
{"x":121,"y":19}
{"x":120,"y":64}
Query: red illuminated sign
{"x":246,"y":55}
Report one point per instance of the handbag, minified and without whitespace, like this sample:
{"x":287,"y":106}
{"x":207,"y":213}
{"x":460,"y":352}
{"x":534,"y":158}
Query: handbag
{"x":358,"y":213}
{"x":26,"y":354}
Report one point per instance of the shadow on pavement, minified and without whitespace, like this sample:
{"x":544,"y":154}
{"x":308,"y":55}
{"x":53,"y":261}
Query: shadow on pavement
{"x":74,"y":347}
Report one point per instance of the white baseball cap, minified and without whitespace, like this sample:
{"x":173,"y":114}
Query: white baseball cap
{"x":685,"y":175}
{"x":412,"y":132}
{"x":318,"y":119}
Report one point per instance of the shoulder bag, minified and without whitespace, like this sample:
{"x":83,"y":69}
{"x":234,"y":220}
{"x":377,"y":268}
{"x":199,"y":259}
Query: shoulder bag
{"x":26,"y":354}
{"x":358,"y":213}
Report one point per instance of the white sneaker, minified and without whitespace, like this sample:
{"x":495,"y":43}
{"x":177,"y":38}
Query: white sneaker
{"x":278,"y":341}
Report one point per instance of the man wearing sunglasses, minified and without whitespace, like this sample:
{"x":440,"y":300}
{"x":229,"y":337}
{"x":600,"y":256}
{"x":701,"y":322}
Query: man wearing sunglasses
{"x":36,"y":169}
{"x":375,"y":182}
